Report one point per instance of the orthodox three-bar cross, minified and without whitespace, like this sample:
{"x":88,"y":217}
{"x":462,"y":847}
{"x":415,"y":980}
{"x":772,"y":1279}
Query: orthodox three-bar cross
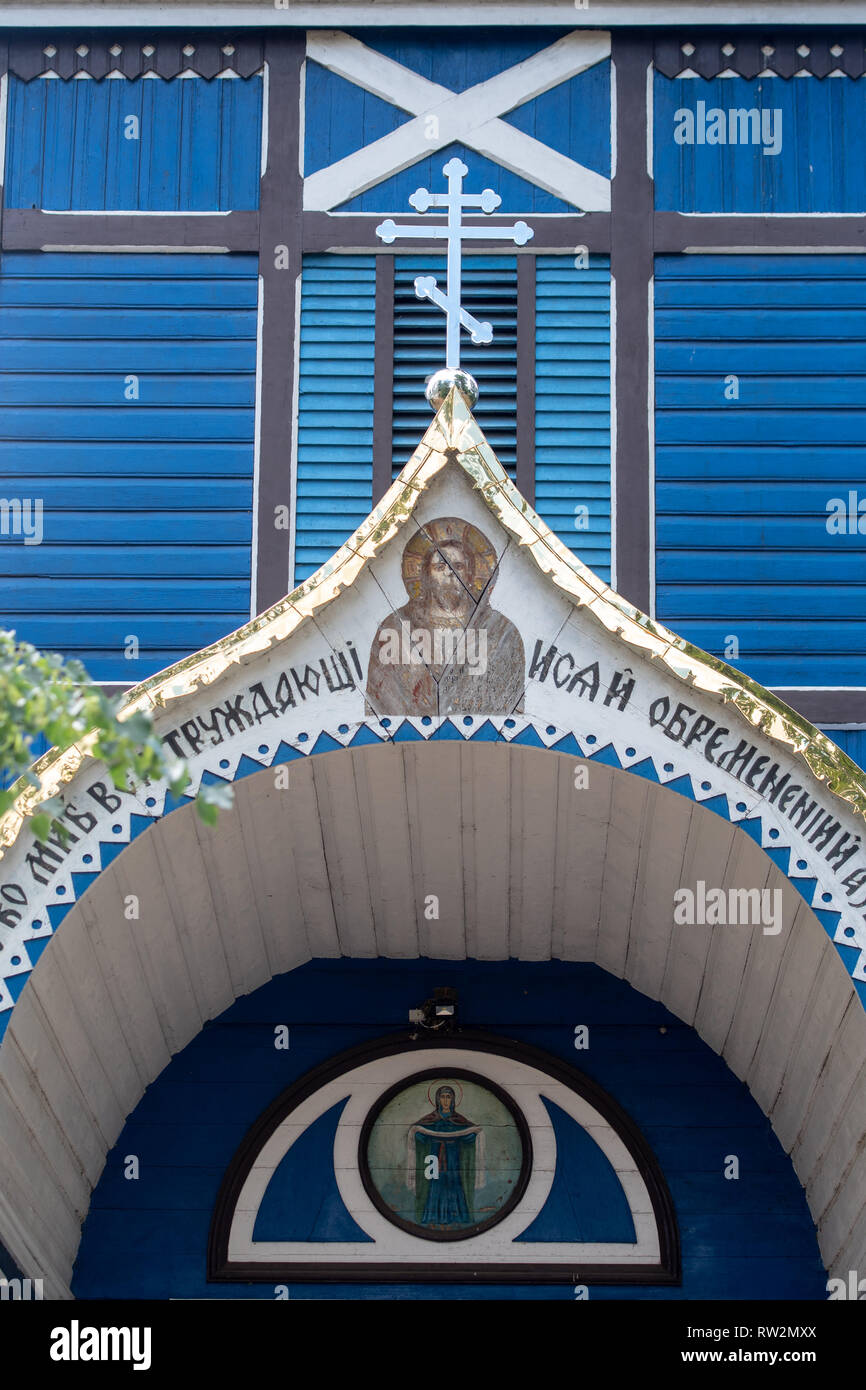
{"x":455,"y":233}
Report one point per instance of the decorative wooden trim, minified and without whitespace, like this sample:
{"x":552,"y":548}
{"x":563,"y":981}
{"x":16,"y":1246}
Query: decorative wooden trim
{"x":383,"y":385}
{"x":680,"y":231}
{"x":136,"y":53}
{"x":827,"y":706}
{"x":220,"y":1269}
{"x":754,"y":51}
{"x":279,"y":225}
{"x":27,"y":229}
{"x":525,"y":402}
{"x":342,"y":231}
{"x":631,"y":266}
{"x":517,"y":1116}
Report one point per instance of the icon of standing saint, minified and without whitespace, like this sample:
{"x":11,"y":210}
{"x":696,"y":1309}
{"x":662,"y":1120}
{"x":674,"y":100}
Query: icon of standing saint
{"x":445,"y":1190}
{"x":456,"y":1170}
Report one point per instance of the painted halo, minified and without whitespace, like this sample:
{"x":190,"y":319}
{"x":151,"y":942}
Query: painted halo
{"x":448,"y":530}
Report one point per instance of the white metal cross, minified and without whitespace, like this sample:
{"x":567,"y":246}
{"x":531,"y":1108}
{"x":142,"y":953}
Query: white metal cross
{"x":455,"y":232}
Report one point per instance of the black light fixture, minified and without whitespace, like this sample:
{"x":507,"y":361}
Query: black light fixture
{"x":438,"y":1014}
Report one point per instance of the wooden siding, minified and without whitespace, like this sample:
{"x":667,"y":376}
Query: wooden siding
{"x":572,"y":404}
{"x":335,"y":405}
{"x":146,"y":502}
{"x":818,"y":168}
{"x":198,"y":144}
{"x":743,"y":485}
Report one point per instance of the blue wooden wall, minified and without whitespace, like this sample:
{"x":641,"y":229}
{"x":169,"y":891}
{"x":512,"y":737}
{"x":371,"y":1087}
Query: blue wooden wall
{"x":572,"y":405}
{"x":743,"y":485}
{"x":573,"y":117}
{"x":335,"y":405}
{"x":197,"y":148}
{"x":750,"y":1238}
{"x":819,"y":167}
{"x":146,"y":502}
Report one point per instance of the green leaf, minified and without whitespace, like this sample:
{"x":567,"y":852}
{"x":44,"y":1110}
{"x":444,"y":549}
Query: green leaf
{"x":40,"y":824}
{"x":207,"y":811}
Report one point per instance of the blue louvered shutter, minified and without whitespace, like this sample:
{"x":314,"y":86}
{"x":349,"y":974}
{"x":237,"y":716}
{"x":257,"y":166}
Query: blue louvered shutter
{"x":572,"y":405}
{"x":334,"y":491}
{"x":760,"y":425}
{"x":490,"y":293}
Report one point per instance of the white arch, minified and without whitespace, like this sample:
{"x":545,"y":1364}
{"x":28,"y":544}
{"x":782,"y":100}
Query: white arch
{"x":339,"y":864}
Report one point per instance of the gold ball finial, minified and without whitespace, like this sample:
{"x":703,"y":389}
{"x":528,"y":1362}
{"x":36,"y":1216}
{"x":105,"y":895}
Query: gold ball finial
{"x":441,"y":382}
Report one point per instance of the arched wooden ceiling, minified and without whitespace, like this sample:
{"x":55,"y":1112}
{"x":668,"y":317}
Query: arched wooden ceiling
{"x":344,"y":860}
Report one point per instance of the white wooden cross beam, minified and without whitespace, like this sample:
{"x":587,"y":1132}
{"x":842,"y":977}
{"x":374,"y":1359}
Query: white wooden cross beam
{"x":442,"y":117}
{"x":455,"y":232}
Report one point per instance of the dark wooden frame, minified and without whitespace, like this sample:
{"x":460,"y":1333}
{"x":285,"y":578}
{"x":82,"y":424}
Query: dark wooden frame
{"x":633,"y":233}
{"x":632,"y":268}
{"x":383,"y":385}
{"x":221,"y":1270}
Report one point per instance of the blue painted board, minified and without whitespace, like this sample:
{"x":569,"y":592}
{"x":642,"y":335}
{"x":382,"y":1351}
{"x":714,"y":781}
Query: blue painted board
{"x":146,"y":497}
{"x":150,"y":145}
{"x":760,"y":431}
{"x":817,"y":168}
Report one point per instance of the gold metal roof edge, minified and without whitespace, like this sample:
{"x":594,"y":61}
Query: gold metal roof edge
{"x":454,"y":434}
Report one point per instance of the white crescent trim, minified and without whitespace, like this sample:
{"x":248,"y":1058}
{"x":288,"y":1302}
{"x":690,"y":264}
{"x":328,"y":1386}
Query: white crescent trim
{"x":363,"y":1086}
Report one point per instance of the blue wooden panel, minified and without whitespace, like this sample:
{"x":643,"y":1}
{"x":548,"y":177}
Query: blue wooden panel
{"x":302,"y":1200}
{"x":573,"y":118}
{"x":749,"y":1239}
{"x":198,"y":145}
{"x":745,"y":487}
{"x":851,"y":741}
{"x":460,"y":58}
{"x":146,"y":502}
{"x":572,"y":405}
{"x":335,"y":405}
{"x":817,"y":167}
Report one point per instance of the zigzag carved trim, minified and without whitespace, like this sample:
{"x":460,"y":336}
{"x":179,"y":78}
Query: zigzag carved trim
{"x":133,"y":55}
{"x":749,"y":53}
